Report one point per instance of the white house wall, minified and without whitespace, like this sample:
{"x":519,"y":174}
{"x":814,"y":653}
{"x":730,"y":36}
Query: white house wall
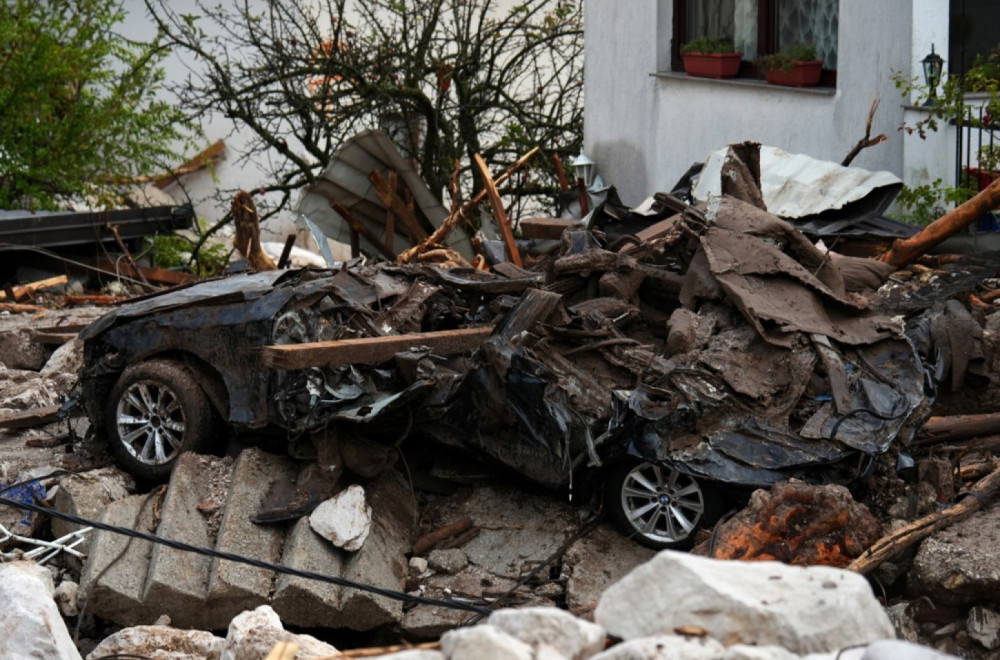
{"x":645,"y":130}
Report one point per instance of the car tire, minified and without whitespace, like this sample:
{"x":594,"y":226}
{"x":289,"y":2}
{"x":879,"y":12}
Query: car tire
{"x":155,"y":412}
{"x":658,"y":506}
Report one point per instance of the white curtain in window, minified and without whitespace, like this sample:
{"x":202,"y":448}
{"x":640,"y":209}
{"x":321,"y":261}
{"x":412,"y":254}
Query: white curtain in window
{"x":735,"y":20}
{"x":810,"y":20}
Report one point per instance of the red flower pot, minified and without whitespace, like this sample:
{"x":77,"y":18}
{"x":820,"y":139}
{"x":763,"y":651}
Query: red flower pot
{"x":712,"y":65}
{"x":802,"y":74}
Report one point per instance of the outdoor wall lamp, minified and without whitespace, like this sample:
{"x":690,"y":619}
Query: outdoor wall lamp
{"x":933,"y":64}
{"x":584,"y":168}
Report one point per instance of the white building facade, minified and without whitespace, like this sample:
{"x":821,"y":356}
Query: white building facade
{"x":647,"y":121}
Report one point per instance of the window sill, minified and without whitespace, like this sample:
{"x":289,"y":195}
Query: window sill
{"x":745,"y":83}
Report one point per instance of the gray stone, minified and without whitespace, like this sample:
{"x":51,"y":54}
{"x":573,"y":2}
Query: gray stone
{"x":483,"y":641}
{"x":665,"y":647}
{"x":177,"y":583}
{"x":959,"y":565}
{"x":160,"y":642}
{"x":115,"y":572}
{"x":86,"y":495}
{"x":891,"y":649}
{"x":253,"y":635}
{"x":234,"y":587}
{"x":983,"y":625}
{"x":345,"y":519}
{"x":19,"y":351}
{"x":903,"y":621}
{"x":418,"y":565}
{"x":30,"y":624}
{"x":597,"y":561}
{"x":572,"y":638}
{"x":450,"y":561}
{"x":804,"y":610}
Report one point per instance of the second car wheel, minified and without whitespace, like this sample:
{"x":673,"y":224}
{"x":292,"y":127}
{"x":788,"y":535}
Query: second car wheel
{"x":658,"y":506}
{"x":155,"y":412}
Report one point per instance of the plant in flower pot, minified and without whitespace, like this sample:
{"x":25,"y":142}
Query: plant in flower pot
{"x":708,"y":57}
{"x":794,"y":66}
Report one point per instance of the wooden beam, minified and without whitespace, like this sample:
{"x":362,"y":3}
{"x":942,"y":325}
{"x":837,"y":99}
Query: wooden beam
{"x":24,"y":290}
{"x":455,"y":218}
{"x":28,"y":418}
{"x":359,"y":227}
{"x":369,"y":350}
{"x":498,"y":212}
{"x":393,"y":202}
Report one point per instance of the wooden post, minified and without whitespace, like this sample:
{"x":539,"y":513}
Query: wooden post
{"x":498,"y":211}
{"x":392,"y":201}
{"x":903,"y":251}
{"x":359,"y":227}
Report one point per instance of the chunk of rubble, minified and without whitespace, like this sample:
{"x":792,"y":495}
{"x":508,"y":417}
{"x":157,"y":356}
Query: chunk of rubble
{"x":345,"y":519}
{"x":29,"y":618}
{"x":597,"y":561}
{"x":450,"y":561}
{"x":254,"y":634}
{"x":159,"y":641}
{"x":799,"y":524}
{"x":87,"y":495}
{"x":959,"y":565}
{"x":983,"y":626}
{"x":550,"y":627}
{"x":484,"y":641}
{"x":805,"y":610}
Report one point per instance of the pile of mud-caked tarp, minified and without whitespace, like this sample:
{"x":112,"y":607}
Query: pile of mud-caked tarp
{"x":718,"y":340}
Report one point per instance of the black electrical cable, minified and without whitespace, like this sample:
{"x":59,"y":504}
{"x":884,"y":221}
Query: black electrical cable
{"x":309,"y":575}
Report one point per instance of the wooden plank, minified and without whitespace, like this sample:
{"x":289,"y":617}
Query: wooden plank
{"x":393,"y":202}
{"x":153,"y":275}
{"x":20,"y":307}
{"x":24,"y":290}
{"x":59,"y":334}
{"x":498,"y":212}
{"x":369,"y":350}
{"x":546,"y":228}
{"x":28,"y":418}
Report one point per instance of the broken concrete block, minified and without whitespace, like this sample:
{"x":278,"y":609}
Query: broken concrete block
{"x":345,"y":520}
{"x":18,"y":350}
{"x":983,"y":625}
{"x":893,"y":649}
{"x":449,"y":561}
{"x":234,"y":587}
{"x":597,"y":561}
{"x":572,"y":638}
{"x":805,"y":610}
{"x":484,"y":641}
{"x":254,"y":634}
{"x":308,"y":602}
{"x":665,"y":647}
{"x":29,"y":619}
{"x":418,"y":565}
{"x":67,"y":359}
{"x":414,"y":654}
{"x":155,"y":641}
{"x":115,"y":573}
{"x":959,"y":565}
{"x":86,"y":495}
{"x":177,"y":583}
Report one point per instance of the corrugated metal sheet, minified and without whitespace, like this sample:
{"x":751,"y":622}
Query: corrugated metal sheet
{"x":799,"y":186}
{"x":345,"y":180}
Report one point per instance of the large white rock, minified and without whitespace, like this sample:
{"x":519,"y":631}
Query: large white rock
{"x":483,"y":641}
{"x":805,"y":610}
{"x":30,"y":624}
{"x":547,"y":626}
{"x":345,"y":519}
{"x":665,"y":647}
{"x":252,"y":635}
{"x":160,"y":642}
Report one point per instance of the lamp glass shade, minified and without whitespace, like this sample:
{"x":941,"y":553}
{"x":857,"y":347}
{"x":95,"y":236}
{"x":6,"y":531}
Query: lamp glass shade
{"x":933,"y":65}
{"x":584,"y":168}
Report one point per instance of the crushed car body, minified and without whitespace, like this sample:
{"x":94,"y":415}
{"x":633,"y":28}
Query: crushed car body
{"x":669,"y":353}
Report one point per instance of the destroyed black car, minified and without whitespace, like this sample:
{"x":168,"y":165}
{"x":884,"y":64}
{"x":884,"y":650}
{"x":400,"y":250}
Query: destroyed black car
{"x":720,"y":350}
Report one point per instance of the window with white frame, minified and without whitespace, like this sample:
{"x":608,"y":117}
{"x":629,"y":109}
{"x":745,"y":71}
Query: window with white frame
{"x":759,"y":27}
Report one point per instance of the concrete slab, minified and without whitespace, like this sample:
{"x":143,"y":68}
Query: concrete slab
{"x":597,"y":561}
{"x":115,"y":573}
{"x":86,"y":495}
{"x":234,"y":587}
{"x":177,"y":582}
{"x":380,"y":562}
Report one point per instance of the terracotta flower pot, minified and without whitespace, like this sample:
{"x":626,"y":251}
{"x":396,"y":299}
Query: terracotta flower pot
{"x":802,"y":74}
{"x":712,"y":65}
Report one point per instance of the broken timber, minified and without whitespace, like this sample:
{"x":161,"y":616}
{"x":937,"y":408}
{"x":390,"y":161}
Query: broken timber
{"x":32,"y":417}
{"x":498,"y":211}
{"x":369,"y":349}
{"x":25,"y":289}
